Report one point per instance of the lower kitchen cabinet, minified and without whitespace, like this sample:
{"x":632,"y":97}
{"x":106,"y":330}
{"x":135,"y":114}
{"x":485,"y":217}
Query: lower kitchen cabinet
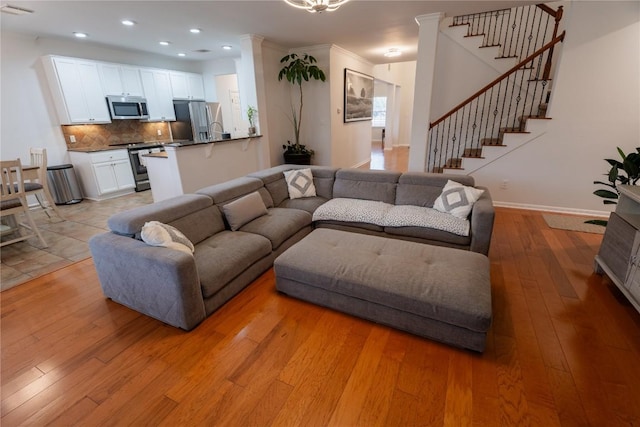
{"x":104,"y":174}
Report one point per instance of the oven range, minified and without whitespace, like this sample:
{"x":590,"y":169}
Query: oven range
{"x":138,"y":162}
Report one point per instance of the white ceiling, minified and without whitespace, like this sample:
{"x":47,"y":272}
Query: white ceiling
{"x":366,"y":28}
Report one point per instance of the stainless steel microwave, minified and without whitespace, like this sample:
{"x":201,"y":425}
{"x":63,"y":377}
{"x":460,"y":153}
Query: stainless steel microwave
{"x":127,"y":107}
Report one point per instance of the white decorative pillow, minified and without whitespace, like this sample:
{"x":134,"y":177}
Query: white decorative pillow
{"x":245,"y":209}
{"x":300,"y":183}
{"x":457,"y":199}
{"x":155,"y":233}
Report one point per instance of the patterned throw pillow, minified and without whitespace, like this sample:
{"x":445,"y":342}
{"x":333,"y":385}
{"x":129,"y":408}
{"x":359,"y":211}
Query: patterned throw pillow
{"x":155,"y":233}
{"x":457,"y":199}
{"x":300,"y":183}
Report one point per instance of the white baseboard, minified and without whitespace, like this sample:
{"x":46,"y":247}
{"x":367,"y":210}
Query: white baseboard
{"x":571,"y":211}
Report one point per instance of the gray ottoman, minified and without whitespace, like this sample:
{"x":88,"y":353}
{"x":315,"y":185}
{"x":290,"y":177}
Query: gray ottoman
{"x":432,"y":291}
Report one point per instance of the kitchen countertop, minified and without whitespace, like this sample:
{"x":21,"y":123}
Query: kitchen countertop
{"x":165,"y":143}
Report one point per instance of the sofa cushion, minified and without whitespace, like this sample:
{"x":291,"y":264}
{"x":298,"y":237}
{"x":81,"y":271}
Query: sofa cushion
{"x":300,"y":183}
{"x":457,"y":199}
{"x":353,"y":210}
{"x":228,"y":191}
{"x":417,"y":216}
{"x":155,"y":233}
{"x":279,"y":224}
{"x":245,"y":209}
{"x":194,"y":215}
{"x":220,"y":258}
{"x":274,"y":182}
{"x":418,"y":234}
{"x":309,"y":204}
{"x":422,"y":189}
{"x":366,"y":184}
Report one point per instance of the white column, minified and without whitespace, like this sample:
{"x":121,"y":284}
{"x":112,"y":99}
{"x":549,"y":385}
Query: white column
{"x":425,"y":70}
{"x":252,"y":90}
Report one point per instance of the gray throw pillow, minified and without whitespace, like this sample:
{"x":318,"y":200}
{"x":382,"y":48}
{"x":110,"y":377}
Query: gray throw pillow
{"x":155,"y":233}
{"x":245,"y":209}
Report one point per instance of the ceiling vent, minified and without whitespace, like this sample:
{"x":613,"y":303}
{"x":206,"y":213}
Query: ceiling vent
{"x":202,"y":51}
{"x":15,"y":10}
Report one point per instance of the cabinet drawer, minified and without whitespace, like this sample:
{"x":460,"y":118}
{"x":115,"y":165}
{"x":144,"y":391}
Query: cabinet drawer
{"x":108,"y":156}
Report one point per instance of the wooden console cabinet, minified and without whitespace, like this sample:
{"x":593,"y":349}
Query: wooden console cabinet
{"x":619,"y":254}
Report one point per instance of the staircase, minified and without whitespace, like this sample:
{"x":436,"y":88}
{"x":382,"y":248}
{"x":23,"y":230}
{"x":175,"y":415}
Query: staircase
{"x":511,"y":110}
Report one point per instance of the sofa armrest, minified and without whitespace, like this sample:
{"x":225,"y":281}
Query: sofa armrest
{"x":482,"y":216}
{"x":159,"y":282}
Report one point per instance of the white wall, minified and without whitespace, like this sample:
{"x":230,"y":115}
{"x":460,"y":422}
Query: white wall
{"x":278,"y":101}
{"x":211,"y":69}
{"x":350,"y":142}
{"x":28,"y":118}
{"x":403,"y":76}
{"x":595,"y":107}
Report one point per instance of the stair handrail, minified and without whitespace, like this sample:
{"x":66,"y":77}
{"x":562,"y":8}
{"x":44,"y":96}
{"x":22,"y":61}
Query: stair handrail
{"x":512,"y":70}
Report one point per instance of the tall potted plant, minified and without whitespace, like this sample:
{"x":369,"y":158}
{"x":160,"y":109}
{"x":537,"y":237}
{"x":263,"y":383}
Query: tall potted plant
{"x":298,"y":69}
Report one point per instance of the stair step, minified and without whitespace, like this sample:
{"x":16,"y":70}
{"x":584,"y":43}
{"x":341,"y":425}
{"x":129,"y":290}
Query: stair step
{"x":453,"y":163}
{"x":514,"y":130}
{"x":475,"y":153}
{"x":494,"y":142}
{"x":490,"y":45}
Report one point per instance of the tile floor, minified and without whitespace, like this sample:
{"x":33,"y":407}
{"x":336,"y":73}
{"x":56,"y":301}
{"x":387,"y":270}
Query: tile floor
{"x":67,"y":238}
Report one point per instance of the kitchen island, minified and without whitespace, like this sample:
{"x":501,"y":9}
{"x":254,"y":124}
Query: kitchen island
{"x":186,"y":166}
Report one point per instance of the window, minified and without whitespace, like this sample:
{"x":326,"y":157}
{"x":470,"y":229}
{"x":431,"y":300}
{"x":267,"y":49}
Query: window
{"x":379,"y":111}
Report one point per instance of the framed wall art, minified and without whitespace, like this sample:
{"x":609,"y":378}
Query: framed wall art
{"x":358,"y":96}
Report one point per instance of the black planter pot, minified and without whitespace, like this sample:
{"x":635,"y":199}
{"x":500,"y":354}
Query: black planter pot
{"x":297,"y":159}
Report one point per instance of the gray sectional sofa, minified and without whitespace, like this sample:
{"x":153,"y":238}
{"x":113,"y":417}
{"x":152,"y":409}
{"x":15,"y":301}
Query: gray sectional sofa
{"x":181,"y":289}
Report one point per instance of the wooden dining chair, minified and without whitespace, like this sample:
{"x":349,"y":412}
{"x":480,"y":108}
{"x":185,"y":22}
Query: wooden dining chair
{"x":40,"y":188}
{"x":13,"y":200}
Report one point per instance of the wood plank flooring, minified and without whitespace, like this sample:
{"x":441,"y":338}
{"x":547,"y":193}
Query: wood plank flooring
{"x":563,"y":349}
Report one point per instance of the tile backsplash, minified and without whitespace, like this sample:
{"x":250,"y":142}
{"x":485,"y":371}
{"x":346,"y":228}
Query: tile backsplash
{"x":118,"y":132}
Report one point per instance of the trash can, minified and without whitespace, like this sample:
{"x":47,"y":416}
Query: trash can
{"x":63,"y":185}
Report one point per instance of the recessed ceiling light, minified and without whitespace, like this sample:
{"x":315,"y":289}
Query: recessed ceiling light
{"x":392,"y":53}
{"x":226,"y":47}
{"x":165,"y":43}
{"x":195,"y":30}
{"x":182,"y":54}
{"x":80,"y":35}
{"x":128,"y":22}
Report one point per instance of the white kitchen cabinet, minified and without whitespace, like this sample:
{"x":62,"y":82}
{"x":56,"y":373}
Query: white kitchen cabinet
{"x":157,"y":89}
{"x":120,"y":80}
{"x":77,"y":90}
{"x":187,"y":86}
{"x":104,"y":174}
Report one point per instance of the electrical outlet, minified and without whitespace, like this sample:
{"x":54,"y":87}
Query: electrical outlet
{"x":72,"y":138}
{"x":505,"y":184}
{"x":159,"y":132}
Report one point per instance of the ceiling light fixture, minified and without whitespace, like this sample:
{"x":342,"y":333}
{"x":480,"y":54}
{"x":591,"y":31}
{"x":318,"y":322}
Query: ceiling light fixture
{"x":164,"y":43}
{"x":15,"y":10}
{"x":182,"y":54}
{"x":128,"y":22}
{"x":195,"y":30}
{"x":392,"y":53}
{"x":318,"y":6}
{"x":80,"y":35}
{"x":226,"y":47}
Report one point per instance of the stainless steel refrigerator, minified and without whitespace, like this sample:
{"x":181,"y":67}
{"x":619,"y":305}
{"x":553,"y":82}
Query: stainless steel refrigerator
{"x":197,"y":121}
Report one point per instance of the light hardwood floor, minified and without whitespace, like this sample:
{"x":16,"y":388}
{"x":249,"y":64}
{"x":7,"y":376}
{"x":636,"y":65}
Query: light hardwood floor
{"x":563,"y":349}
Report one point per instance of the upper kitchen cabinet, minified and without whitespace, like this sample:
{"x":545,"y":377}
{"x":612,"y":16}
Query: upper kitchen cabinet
{"x":120,"y":80}
{"x":187,"y":86}
{"x":77,"y":91}
{"x":157,"y":89}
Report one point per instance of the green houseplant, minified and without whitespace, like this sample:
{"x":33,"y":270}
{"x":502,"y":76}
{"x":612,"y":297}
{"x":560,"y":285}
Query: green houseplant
{"x":251,"y":116}
{"x":296,"y":70}
{"x":625,"y":172}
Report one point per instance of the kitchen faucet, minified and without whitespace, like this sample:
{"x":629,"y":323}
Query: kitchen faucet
{"x":212,"y":126}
